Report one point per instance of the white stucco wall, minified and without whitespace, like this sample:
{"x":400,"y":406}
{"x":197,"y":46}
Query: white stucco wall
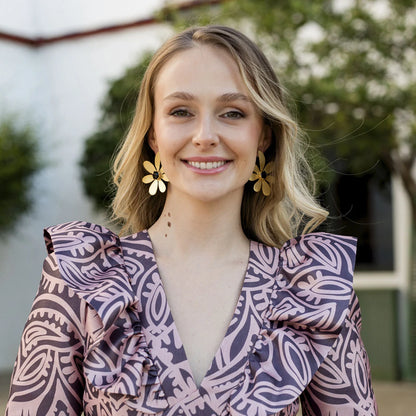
{"x":58,"y":88}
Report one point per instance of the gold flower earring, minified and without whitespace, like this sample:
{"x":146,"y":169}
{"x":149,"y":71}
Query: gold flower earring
{"x":262,"y":174}
{"x":156,"y":177}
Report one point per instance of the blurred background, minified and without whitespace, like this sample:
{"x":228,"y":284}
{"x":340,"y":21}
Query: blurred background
{"x":69,"y":75}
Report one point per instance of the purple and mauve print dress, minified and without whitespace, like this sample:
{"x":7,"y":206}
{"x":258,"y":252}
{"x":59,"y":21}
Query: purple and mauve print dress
{"x":100,"y":338}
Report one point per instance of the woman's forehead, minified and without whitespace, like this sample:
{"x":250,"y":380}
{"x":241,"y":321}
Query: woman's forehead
{"x":199,"y":68}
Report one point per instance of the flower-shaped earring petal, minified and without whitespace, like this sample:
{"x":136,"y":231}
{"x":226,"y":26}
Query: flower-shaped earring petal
{"x":156,"y":177}
{"x":262,"y":175}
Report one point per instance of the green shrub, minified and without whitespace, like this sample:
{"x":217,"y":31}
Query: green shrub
{"x":18,"y":163}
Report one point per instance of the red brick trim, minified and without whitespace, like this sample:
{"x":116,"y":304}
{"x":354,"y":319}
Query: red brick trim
{"x":40,"y":41}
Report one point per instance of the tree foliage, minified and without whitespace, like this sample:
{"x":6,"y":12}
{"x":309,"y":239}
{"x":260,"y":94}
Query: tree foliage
{"x":117,"y":111}
{"x":18,"y":163}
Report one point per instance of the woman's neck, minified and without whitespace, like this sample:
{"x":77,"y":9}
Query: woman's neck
{"x":199,"y":227}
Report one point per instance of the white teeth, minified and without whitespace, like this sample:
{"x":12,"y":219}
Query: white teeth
{"x":207,"y":165}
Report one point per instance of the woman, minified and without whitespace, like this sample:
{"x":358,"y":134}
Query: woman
{"x":208,"y":311}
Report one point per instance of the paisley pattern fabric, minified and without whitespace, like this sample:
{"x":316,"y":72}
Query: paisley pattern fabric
{"x":100,"y":338}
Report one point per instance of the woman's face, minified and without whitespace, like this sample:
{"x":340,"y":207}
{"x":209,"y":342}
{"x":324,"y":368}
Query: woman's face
{"x":205,"y":125}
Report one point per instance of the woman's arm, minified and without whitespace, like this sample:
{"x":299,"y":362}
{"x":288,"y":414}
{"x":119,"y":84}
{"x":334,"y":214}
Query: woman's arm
{"x":342,"y":384}
{"x":47,"y":377}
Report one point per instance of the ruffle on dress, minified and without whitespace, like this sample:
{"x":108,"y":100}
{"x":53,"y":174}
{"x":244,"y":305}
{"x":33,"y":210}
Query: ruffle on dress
{"x":117,"y":360}
{"x":308,"y":307}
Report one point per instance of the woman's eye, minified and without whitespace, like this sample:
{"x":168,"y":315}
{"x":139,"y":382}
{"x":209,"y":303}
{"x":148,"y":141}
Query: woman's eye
{"x":233,"y":115}
{"x":180,"y":113}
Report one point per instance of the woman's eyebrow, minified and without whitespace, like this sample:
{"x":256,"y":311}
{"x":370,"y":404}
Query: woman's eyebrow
{"x":224,"y":98}
{"x":233,"y":96}
{"x":181,"y":95}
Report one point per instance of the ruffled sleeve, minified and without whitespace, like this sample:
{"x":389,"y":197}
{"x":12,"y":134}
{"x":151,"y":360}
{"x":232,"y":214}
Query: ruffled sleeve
{"x":117,"y":361}
{"x":308,"y":310}
{"x":342,"y":384}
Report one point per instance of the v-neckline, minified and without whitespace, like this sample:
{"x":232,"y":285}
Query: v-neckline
{"x":216,"y":358}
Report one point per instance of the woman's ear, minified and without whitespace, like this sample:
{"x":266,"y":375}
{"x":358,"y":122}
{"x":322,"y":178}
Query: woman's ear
{"x":152,"y":140}
{"x":266,"y":138}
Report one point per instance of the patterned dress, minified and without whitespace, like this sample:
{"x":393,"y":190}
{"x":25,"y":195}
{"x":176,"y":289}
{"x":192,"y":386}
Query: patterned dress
{"x":100,"y":338}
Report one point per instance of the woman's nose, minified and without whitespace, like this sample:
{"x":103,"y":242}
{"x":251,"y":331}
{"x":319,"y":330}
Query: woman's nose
{"x":206,"y":135}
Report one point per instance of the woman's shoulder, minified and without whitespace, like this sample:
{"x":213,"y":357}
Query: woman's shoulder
{"x":316,"y":271}
{"x":90,"y":261}
{"x":329,"y":253}
{"x":77,"y":235}
{"x":319,"y":249}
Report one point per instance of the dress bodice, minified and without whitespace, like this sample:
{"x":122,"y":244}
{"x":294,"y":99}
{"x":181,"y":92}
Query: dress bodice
{"x":294,"y":332}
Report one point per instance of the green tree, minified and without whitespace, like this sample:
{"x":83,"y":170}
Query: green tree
{"x":18,"y":163}
{"x":117,"y":111}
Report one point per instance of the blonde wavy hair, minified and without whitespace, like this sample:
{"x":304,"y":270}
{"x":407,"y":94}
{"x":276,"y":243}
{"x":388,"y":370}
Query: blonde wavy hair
{"x":291,"y":207}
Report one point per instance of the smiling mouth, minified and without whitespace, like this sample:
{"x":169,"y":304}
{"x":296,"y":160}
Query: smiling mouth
{"x":207,"y":165}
